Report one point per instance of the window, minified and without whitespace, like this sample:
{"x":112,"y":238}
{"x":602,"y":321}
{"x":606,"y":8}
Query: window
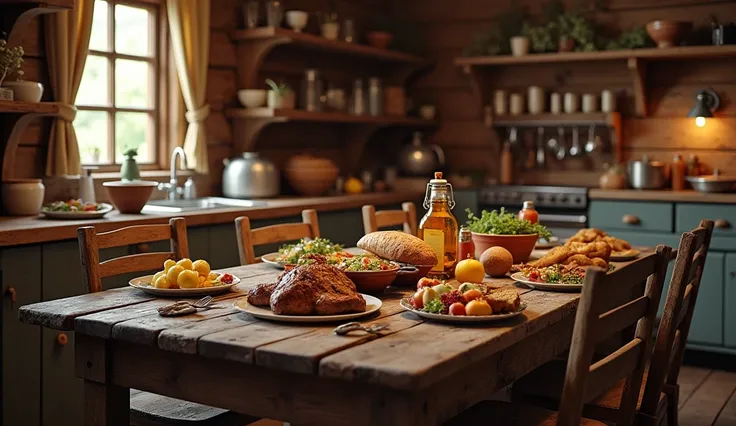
{"x":119,"y":95}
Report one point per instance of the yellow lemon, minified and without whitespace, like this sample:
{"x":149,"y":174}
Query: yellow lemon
{"x":185,"y":263}
{"x":188,"y":279}
{"x":353,"y":186}
{"x":168,"y":264}
{"x":469,"y":270}
{"x":162,"y":282}
{"x":173,"y":273}
{"x":202,"y":267}
{"x":158,"y":274}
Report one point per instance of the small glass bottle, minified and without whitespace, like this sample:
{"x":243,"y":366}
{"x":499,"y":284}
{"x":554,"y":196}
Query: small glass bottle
{"x":465,"y":246}
{"x":679,"y":170}
{"x":528,"y":212}
{"x":438,"y":227}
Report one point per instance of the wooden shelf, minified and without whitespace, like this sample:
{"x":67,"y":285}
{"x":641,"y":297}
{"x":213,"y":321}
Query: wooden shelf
{"x":311,"y":41}
{"x":284,"y":115}
{"x":20,"y":107}
{"x":16,"y":13}
{"x":546,"y":120}
{"x":655,"y":54}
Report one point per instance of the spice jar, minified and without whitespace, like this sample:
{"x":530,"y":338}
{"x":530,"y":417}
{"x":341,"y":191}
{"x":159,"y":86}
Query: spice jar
{"x":528,"y":212}
{"x":465,"y":246}
{"x":679,"y":170}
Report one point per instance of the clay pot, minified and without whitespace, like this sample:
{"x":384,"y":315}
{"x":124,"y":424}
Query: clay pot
{"x":130,"y":196}
{"x":565,"y":44}
{"x":379,"y":39}
{"x":372,"y":282}
{"x":28,"y":91}
{"x":612,"y":180}
{"x":311,"y":176}
{"x":23,"y":197}
{"x":667,"y":33}
{"x":520,"y":246}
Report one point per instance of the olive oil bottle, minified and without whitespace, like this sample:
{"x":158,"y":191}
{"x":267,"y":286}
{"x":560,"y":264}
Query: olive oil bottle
{"x":438,"y":227}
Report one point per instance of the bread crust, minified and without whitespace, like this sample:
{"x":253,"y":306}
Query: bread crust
{"x":399,"y":247}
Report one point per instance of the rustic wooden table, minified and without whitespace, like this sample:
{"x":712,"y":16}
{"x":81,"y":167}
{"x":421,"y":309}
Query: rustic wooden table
{"x":415,"y":373}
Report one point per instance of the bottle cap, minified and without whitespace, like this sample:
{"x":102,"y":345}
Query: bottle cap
{"x":438,"y":180}
{"x":528,"y":205}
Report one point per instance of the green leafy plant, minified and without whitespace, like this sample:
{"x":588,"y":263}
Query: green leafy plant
{"x":11,"y":61}
{"x":500,"y":222}
{"x":281,"y":89}
{"x":130,"y":153}
{"x":540,"y":37}
{"x":635,"y":38}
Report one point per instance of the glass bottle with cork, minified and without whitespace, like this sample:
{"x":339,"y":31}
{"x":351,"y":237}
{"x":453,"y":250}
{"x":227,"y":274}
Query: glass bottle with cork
{"x":438,"y":227}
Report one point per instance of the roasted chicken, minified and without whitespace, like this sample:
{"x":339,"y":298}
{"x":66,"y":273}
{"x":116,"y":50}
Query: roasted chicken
{"x":618,"y":246}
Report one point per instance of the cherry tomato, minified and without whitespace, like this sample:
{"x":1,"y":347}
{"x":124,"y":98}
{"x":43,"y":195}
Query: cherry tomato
{"x":226,"y":278}
{"x":471,"y":295}
{"x":416,"y":299}
{"x":457,"y":308}
{"x":534,"y":276}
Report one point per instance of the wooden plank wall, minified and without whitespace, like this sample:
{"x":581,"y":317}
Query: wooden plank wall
{"x":448,"y":26}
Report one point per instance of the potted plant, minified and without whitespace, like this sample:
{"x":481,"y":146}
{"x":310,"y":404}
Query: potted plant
{"x":539,"y":38}
{"x":329,"y":23}
{"x":129,"y":168}
{"x":500,"y":228}
{"x":280,"y":95}
{"x":11,"y":61}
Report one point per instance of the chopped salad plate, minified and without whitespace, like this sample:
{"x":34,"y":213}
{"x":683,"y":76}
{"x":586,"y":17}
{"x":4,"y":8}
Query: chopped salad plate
{"x":461,"y":318}
{"x":523,"y":279}
{"x":78,"y":215}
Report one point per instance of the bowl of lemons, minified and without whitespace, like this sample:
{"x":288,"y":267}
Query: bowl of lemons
{"x":185,"y":278}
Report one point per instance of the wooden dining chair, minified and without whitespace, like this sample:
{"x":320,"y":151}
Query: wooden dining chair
{"x":609,"y":303}
{"x":148,"y":409}
{"x":407,"y":216}
{"x":659,"y":396}
{"x":249,"y":238}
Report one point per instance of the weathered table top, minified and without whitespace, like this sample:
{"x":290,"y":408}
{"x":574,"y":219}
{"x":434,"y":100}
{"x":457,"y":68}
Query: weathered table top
{"x":411,"y":354}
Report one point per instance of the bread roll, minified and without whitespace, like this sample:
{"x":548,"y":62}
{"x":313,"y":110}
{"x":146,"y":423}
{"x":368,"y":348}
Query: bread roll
{"x":399,"y":247}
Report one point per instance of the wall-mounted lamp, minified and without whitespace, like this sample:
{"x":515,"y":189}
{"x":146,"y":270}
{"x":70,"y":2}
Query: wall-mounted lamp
{"x":706,"y":101}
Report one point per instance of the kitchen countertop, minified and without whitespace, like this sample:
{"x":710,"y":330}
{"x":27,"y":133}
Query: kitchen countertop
{"x":688,"y":196}
{"x":36,"y":229}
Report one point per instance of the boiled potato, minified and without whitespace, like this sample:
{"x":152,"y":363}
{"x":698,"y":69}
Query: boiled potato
{"x":185,"y":263}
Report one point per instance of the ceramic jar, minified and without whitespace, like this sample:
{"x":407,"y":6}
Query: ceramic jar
{"x":572,"y":103}
{"x":28,"y":91}
{"x":590,"y":103}
{"x":519,"y":45}
{"x":608,"y":101}
{"x":331,"y":30}
{"x":516,"y":104}
{"x":555,"y":103}
{"x":535,"y":100}
{"x":500,"y":102}
{"x":285,"y":101}
{"x":23,"y":197}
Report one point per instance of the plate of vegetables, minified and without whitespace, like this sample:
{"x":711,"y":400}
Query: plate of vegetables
{"x":75,"y":209}
{"x":290,"y":254}
{"x":555,"y":278}
{"x":469,"y":303}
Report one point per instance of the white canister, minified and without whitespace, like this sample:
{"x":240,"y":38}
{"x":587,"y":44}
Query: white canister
{"x":519,"y":45}
{"x":555,"y":103}
{"x":608,"y":101}
{"x":535,"y":100}
{"x":516,"y":104}
{"x":590,"y":102}
{"x":572,"y":103}
{"x":500,"y":103}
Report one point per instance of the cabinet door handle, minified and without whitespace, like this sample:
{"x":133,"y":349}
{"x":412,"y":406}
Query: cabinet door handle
{"x":721,"y":224}
{"x":630,"y":219}
{"x":13,"y":296}
{"x":62,"y":339}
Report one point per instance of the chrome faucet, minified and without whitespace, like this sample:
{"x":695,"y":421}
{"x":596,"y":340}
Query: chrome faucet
{"x":171,"y":188}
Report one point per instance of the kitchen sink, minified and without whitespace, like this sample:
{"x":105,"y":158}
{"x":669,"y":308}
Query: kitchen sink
{"x":176,"y":206}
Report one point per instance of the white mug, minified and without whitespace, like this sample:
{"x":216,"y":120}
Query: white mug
{"x":535,"y":100}
{"x":572,"y":102}
{"x":516,"y":106}
{"x":590,"y":102}
{"x":608,"y":101}
{"x":499,"y":102}
{"x":555,"y":103}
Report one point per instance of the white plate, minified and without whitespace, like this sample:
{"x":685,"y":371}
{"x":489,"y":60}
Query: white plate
{"x":271,"y":260}
{"x":97,"y":214}
{"x":372,"y":304}
{"x":615,"y":258}
{"x":461,"y":318}
{"x":144,"y":283}
{"x":519,"y":277}
{"x":543,"y":244}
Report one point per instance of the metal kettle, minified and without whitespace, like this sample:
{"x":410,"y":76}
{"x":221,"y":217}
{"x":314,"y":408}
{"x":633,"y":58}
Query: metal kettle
{"x":250,"y":176}
{"x":420,"y":159}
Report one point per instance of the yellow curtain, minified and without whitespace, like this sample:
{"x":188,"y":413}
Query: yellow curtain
{"x":67,"y":43}
{"x":189,"y":25}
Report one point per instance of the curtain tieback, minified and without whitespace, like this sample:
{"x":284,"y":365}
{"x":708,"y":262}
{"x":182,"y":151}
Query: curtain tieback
{"x":67,"y":112}
{"x":198,"y":115}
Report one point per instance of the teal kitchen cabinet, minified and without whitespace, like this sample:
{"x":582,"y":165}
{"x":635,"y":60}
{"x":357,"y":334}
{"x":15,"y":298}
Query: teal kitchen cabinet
{"x":689,"y":215}
{"x":632,"y":216}
{"x":21,"y":343}
{"x":729,"y":280}
{"x":707,"y":326}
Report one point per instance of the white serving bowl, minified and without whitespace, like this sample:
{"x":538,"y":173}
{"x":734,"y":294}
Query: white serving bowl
{"x":297,"y":19}
{"x":252,"y":98}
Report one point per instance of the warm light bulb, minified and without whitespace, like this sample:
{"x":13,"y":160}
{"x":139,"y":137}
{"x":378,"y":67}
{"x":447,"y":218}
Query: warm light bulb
{"x":700,"y":121}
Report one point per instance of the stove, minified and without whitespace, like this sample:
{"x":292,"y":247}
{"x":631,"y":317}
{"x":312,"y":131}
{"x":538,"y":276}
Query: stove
{"x":562,"y":209}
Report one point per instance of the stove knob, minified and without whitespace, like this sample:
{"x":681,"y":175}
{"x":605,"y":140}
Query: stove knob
{"x":563,"y":198}
{"x":539,"y":198}
{"x":552,"y":199}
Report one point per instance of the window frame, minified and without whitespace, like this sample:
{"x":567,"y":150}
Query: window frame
{"x":159,"y":92}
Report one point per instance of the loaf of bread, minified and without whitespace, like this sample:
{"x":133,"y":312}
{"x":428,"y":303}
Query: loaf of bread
{"x":399,"y":247}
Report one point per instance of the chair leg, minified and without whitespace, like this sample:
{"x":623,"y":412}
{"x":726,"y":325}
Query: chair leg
{"x":673,"y":400}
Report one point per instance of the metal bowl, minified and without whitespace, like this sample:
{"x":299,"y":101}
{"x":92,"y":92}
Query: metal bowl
{"x":713,"y":183}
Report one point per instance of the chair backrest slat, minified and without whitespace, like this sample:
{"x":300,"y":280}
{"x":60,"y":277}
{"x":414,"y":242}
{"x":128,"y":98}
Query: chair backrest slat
{"x":133,"y":263}
{"x":407,"y":217}
{"x":677,"y":314}
{"x":90,"y":243}
{"x":584,"y":381}
{"x":249,"y":238}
